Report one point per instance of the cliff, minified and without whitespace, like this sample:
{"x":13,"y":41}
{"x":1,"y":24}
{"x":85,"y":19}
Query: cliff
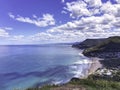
{"x":109,"y":47}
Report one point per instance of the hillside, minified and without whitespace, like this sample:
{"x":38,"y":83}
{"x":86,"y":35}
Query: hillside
{"x":87,"y":43}
{"x":109,"y":47}
{"x":105,"y":78}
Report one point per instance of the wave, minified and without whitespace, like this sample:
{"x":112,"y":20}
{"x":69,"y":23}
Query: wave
{"x":56,"y":75}
{"x":80,"y":54}
{"x":85,"y":61}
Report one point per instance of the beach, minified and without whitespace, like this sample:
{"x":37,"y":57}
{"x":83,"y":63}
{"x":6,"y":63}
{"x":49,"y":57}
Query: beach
{"x":94,"y":65}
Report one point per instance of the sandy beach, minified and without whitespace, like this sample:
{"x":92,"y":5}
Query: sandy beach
{"x":94,"y":65}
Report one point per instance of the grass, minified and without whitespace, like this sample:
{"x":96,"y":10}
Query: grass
{"x":47,"y":87}
{"x":93,"y":82}
{"x":100,"y":84}
{"x":89,"y":84}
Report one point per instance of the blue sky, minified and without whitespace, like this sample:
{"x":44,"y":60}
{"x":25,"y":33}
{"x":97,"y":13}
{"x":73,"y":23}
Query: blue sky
{"x":56,"y":21}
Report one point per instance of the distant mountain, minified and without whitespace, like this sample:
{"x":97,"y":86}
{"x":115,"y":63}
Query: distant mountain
{"x":87,"y":43}
{"x":109,"y":47}
{"x":61,"y":43}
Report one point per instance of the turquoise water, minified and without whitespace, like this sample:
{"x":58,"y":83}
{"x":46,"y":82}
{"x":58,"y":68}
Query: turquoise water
{"x":36,"y":65}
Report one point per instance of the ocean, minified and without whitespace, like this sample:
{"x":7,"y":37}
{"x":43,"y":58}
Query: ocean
{"x":25,"y":66}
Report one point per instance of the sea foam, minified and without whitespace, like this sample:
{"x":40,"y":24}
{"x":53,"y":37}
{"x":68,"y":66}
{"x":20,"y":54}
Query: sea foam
{"x":85,"y":61}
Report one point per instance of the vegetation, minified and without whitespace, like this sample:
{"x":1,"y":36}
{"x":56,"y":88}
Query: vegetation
{"x":87,"y":43}
{"x":111,"y":62}
{"x":47,"y":87}
{"x":106,"y":78}
{"x":111,"y":44}
{"x":95,"y":81}
{"x":97,"y":84}
{"x":90,"y":83}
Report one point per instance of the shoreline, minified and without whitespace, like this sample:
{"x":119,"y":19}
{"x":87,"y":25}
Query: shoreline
{"x":93,"y":79}
{"x":92,"y":62}
{"x":95,"y":65}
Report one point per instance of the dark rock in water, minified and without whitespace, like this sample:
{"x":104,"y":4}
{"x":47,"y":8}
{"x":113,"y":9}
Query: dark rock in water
{"x":87,"y":43}
{"x":108,"y":48}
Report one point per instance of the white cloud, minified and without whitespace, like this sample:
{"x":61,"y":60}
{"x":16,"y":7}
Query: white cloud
{"x":93,"y":3}
{"x":102,"y":20}
{"x":118,"y":1}
{"x":63,"y":12}
{"x":6,"y":28}
{"x":34,"y":16}
{"x":110,"y":8}
{"x":77,"y":9}
{"x":63,"y":36}
{"x":46,"y":20}
{"x":11,"y":15}
{"x":3,"y":33}
{"x":17,"y":37}
{"x":87,"y":24}
{"x":88,"y":27}
{"x":62,"y":1}
{"x":81,"y":8}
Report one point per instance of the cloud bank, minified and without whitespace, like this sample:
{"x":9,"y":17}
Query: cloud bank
{"x":89,"y":19}
{"x":92,"y":19}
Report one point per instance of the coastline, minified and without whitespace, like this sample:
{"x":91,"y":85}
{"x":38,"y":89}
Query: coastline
{"x":97,"y":79}
{"x":94,"y":65}
{"x":93,"y":62}
{"x":93,"y":80}
{"x":104,"y":74}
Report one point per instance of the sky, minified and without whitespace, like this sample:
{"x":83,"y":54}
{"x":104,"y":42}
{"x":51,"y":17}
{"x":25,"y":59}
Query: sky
{"x":57,"y":21}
